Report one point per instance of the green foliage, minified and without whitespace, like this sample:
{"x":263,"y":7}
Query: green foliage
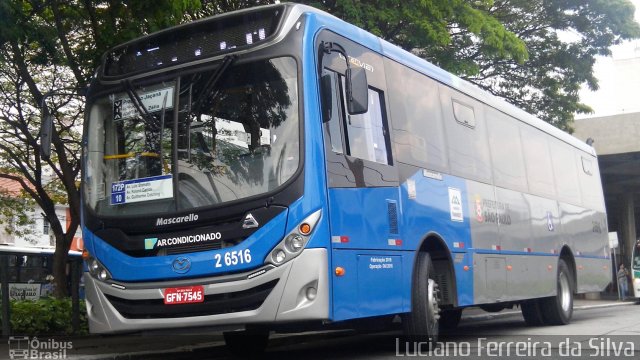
{"x":512,"y":48}
{"x":46,"y":316}
{"x":562,"y":37}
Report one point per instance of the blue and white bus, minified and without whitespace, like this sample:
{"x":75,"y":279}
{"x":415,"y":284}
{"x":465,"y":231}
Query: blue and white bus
{"x":278,"y":165}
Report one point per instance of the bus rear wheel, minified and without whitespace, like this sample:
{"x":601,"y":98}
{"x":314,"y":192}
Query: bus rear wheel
{"x":422,"y":323}
{"x":558,"y":309}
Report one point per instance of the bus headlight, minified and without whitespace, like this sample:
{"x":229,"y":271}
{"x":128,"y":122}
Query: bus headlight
{"x":295,"y":241}
{"x":96,"y":269}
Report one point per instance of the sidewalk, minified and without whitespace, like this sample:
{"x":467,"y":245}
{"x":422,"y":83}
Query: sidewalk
{"x":140,"y":346}
{"x":578,"y":304}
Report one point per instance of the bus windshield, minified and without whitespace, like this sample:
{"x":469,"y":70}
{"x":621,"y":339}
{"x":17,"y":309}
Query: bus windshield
{"x":195,"y":140}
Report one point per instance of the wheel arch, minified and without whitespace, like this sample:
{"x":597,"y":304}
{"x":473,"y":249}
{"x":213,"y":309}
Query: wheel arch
{"x":566,"y":254}
{"x":440,"y":254}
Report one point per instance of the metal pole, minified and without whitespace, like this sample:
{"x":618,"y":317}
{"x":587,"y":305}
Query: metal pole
{"x":75,"y":298}
{"x":6,"y":313}
{"x":615,"y":274}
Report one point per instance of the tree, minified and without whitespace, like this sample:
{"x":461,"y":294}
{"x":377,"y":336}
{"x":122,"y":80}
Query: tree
{"x":14,"y":215}
{"x":49,"y":47}
{"x":563,"y":37}
{"x":534,"y":53}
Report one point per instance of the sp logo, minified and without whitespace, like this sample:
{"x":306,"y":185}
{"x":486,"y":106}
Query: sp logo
{"x":181,"y":265}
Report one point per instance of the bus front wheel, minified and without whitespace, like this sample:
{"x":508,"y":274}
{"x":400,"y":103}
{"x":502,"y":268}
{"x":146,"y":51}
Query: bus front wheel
{"x":559,"y":309}
{"x":421,"y":324}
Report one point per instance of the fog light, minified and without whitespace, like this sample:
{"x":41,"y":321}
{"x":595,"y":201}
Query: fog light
{"x":311,"y":293}
{"x":279,"y":256}
{"x":295,"y":243}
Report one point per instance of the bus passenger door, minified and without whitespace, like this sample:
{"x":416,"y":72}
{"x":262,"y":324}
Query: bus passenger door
{"x":362,"y":191}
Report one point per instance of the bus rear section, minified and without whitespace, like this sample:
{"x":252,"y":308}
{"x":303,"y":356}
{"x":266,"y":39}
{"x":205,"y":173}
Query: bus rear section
{"x":442,"y":197}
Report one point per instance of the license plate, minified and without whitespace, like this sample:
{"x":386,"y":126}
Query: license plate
{"x":184,"y":295}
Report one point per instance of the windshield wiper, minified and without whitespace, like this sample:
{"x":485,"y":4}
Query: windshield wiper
{"x":212,"y":81}
{"x":148,"y":118}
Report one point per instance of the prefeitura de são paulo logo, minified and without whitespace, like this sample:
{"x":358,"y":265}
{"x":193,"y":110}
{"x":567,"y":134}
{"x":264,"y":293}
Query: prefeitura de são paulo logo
{"x":24,"y":347}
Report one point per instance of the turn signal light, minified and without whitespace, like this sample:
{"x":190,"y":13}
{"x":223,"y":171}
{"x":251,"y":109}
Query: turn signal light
{"x":305,"y":229}
{"x":340,"y":271}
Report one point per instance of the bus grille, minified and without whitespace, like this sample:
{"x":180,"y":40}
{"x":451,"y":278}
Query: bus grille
{"x":215,"y":304}
{"x":213,"y":245}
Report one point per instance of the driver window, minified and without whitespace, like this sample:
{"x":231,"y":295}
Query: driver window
{"x":363,"y":136}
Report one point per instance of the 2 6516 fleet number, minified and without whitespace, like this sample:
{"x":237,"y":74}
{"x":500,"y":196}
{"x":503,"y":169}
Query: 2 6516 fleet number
{"x":232,"y":258}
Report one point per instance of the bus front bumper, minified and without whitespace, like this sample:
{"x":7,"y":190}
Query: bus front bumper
{"x":295,"y":291}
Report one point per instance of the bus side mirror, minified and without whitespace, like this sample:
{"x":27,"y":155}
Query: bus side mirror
{"x":327,"y":97}
{"x":46,"y":132}
{"x":357,"y":91}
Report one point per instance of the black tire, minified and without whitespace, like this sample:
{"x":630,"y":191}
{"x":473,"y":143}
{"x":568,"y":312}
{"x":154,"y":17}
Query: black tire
{"x":557,"y":310}
{"x":248,"y":343}
{"x":422,"y":324}
{"x":449,"y":319}
{"x":532,"y":312}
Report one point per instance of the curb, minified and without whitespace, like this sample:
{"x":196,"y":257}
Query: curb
{"x":489,"y":316}
{"x":179,"y":350}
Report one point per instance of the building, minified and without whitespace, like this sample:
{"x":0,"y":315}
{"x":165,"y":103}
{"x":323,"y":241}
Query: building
{"x":38,"y":232}
{"x":615,"y":139}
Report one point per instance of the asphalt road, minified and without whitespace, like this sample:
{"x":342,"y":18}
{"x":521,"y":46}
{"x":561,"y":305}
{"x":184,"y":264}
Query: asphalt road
{"x":593,"y":333}
{"x":600,"y":332}
{"x":597,"y":331}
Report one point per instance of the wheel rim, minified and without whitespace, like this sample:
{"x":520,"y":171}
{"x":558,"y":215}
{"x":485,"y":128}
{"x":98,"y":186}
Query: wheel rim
{"x":565,"y":292}
{"x":433,"y":305}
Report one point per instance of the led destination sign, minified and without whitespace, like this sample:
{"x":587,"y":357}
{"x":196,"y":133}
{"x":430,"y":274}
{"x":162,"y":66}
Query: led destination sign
{"x":190,"y":42}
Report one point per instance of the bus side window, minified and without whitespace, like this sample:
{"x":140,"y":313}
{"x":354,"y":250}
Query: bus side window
{"x":464,"y":114}
{"x":566,"y":172}
{"x":367,"y":136}
{"x":466,"y":133}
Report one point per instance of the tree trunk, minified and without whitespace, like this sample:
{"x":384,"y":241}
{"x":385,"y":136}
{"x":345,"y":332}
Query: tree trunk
{"x":60,"y":268}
